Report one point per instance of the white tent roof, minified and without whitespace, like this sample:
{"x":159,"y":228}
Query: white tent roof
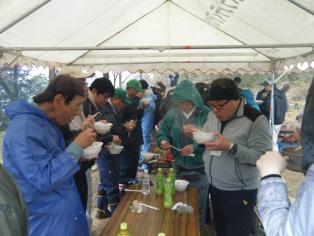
{"x":157,"y":34}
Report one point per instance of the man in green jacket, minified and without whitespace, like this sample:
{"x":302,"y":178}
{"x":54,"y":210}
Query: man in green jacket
{"x":188,"y":110}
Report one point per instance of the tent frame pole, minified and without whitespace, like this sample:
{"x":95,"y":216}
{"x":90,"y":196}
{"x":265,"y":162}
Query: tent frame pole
{"x":26,"y":14}
{"x":272,"y":110}
{"x":159,"y":48}
{"x":217,"y":28}
{"x":302,"y":7}
{"x":119,"y":31}
{"x":273,"y":82}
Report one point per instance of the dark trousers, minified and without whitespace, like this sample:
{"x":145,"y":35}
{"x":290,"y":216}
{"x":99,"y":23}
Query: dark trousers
{"x":108,"y":187}
{"x":233,"y":211}
{"x":82,"y":187}
{"x":197,"y":178}
{"x":81,"y":181}
{"x":128,"y":164}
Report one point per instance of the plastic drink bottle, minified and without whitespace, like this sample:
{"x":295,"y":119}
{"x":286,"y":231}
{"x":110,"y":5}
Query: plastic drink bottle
{"x":168,"y":202}
{"x":172,"y":177}
{"x":123,"y":230}
{"x":146,"y":183}
{"x":159,"y":182}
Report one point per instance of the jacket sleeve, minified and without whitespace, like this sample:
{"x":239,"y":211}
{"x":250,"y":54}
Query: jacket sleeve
{"x":259,"y":141}
{"x":279,"y":219}
{"x":122,"y":133}
{"x":43,"y":168}
{"x":105,"y":139}
{"x":151,"y":106}
{"x":164,"y":130}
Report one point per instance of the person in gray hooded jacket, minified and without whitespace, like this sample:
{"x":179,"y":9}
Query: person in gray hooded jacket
{"x":242,"y":135}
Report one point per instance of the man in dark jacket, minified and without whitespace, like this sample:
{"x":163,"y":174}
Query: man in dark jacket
{"x":108,"y":164}
{"x":159,"y":90}
{"x":132,"y":113}
{"x":280,"y":108}
{"x":98,"y":94}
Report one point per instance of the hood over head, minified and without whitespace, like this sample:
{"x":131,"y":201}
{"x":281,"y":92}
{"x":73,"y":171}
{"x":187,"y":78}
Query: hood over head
{"x":186,"y":90}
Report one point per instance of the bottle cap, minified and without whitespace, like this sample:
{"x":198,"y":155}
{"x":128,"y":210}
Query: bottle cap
{"x":161,"y":234}
{"x":159,"y":169}
{"x":123,"y":226}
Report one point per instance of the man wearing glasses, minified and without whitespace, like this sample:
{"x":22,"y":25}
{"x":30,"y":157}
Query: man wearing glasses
{"x":242,"y":135}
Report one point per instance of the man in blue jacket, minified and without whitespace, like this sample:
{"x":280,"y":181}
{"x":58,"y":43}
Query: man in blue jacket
{"x":34,"y":153}
{"x":147,"y":122}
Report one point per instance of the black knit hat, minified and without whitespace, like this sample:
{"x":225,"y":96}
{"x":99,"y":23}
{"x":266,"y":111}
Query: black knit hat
{"x":144,"y":84}
{"x":224,"y":89}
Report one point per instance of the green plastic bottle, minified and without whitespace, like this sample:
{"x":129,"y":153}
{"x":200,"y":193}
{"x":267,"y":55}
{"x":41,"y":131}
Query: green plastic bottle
{"x":168,"y":202}
{"x":123,"y":230}
{"x":172,"y":177}
{"x":159,"y":182}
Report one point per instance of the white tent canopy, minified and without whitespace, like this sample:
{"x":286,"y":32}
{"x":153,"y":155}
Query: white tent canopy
{"x":158,"y":35}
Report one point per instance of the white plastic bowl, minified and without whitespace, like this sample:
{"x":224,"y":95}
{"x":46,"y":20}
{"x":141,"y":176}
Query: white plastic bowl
{"x":202,"y":137}
{"x":149,"y":155}
{"x":102,"y":128}
{"x":115,"y":148}
{"x":92,"y":151}
{"x":181,"y":184}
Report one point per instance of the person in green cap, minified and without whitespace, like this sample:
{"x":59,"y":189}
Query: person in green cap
{"x":188,"y":110}
{"x":108,"y":164}
{"x":133,"y":114}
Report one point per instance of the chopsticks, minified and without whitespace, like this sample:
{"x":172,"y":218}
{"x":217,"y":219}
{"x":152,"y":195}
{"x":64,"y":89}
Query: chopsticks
{"x":175,"y":148}
{"x":297,"y":148}
{"x":195,"y":130}
{"x":133,"y":190}
{"x":96,"y":114}
{"x":149,"y":206}
{"x":179,"y":150}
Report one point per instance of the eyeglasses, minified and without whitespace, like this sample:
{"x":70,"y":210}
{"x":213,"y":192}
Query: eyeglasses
{"x":218,"y":106}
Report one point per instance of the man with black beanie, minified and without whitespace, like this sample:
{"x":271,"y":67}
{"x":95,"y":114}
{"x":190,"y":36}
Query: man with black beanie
{"x":98,"y":93}
{"x":242,"y":135}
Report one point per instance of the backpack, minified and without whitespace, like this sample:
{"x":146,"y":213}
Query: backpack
{"x":280,"y":106}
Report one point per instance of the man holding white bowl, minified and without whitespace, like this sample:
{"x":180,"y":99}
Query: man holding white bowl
{"x":109,"y":163}
{"x":242,"y":135}
{"x":189,"y":109}
{"x":35,"y":154}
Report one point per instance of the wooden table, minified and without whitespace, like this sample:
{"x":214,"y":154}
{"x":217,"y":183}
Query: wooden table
{"x":151,"y":222}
